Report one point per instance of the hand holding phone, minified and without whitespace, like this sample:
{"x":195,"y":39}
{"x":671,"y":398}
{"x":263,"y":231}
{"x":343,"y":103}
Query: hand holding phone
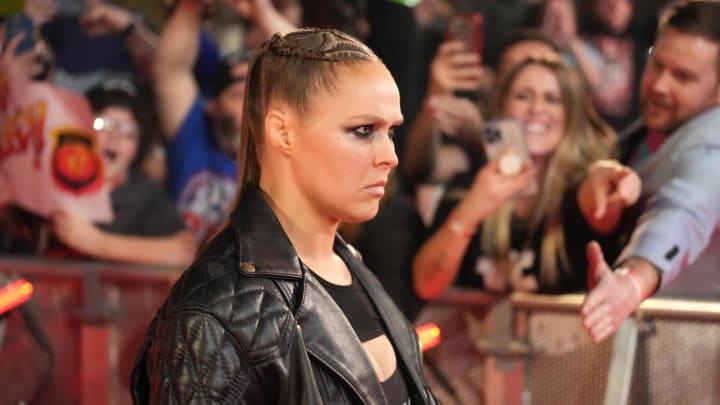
{"x":508,"y":172}
{"x":17,"y":24}
{"x":468,"y":29}
{"x":504,"y":139}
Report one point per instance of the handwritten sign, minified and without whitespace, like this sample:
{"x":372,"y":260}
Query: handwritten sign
{"x":48,"y":153}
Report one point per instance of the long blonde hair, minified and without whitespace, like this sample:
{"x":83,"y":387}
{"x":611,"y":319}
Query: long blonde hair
{"x":587,"y":138}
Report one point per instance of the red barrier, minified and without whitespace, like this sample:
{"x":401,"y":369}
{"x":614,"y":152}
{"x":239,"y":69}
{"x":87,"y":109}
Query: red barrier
{"x":94,"y":316}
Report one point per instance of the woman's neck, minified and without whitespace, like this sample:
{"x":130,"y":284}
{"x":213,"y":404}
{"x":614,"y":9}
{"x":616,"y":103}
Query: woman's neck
{"x":541,"y":165}
{"x":311,"y":235}
{"x":525,"y":202}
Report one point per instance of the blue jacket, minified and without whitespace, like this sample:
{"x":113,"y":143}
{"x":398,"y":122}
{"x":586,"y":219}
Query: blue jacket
{"x":681,"y":184}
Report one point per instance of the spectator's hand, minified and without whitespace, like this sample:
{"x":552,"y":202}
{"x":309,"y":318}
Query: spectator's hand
{"x":16,"y":66}
{"x":611,"y":299}
{"x":76,"y":231}
{"x":105,"y":19}
{"x":458,"y":117}
{"x":559,"y":22}
{"x":266,"y":18}
{"x":609,"y":183}
{"x":454,"y":68}
{"x":491,"y":188}
{"x":40,"y":11}
{"x":250,"y":9}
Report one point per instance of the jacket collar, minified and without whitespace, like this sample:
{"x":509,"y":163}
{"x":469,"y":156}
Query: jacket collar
{"x":264,"y":250}
{"x":396,"y":326}
{"x":330,"y":339}
{"x":263,"y":247}
{"x":348,"y":359}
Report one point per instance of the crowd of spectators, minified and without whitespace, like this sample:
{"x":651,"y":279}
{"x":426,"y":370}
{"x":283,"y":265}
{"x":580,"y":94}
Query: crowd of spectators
{"x":170,"y":97}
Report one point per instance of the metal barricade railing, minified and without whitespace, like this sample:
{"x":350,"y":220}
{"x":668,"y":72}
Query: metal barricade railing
{"x":94,"y":315}
{"x":668,"y":353}
{"x":520,"y":349}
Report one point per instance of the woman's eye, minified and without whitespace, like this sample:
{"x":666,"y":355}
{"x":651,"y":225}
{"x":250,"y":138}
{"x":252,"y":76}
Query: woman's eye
{"x":364,"y":131}
{"x":553,"y":98}
{"x":392,"y":132}
{"x":522,"y":96}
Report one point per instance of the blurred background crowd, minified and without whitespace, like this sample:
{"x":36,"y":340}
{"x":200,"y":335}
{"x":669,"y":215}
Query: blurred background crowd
{"x":165,"y":84}
{"x":165,"y":81}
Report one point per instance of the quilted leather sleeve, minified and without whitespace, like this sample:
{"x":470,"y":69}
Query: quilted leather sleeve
{"x":197,"y":361}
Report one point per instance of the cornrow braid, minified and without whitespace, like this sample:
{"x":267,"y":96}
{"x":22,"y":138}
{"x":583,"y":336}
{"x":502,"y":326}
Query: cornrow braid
{"x":319,"y":44}
{"x":293,"y":68}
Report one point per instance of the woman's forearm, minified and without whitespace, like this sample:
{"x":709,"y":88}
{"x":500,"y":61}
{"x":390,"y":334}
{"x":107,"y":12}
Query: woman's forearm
{"x":175,"y":250}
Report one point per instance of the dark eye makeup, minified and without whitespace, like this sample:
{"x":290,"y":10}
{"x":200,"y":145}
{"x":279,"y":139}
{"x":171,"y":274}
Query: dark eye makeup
{"x":363,"y":131}
{"x":369,"y":131}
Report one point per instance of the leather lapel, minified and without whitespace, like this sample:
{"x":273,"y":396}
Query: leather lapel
{"x":261,"y":240}
{"x":329,"y":337}
{"x":396,"y":325}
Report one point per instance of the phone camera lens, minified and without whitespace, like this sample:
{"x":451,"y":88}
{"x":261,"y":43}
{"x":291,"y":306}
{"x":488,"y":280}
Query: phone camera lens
{"x":492,"y":135}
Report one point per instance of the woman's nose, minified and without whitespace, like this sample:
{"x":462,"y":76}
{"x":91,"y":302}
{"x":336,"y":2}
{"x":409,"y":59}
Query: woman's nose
{"x":386,"y":153}
{"x":534,"y":106}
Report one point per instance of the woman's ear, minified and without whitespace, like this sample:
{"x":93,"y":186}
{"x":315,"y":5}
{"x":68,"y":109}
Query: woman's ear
{"x":277,"y":126}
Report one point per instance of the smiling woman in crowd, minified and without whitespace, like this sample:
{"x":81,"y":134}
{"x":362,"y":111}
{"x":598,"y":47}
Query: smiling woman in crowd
{"x":527,"y":231}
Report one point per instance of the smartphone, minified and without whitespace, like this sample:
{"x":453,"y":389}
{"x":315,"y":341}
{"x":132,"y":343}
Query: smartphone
{"x":16,"y":24}
{"x":467,"y":28}
{"x":501,"y":135}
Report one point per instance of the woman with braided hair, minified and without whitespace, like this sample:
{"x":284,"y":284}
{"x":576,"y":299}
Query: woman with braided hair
{"x":278,"y":309}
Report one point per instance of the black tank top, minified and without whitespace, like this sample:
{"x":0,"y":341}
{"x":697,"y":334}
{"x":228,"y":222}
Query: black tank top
{"x":365,"y":321}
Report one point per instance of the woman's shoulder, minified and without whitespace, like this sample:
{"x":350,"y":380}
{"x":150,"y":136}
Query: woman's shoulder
{"x":215,"y":277}
{"x":215,"y":285}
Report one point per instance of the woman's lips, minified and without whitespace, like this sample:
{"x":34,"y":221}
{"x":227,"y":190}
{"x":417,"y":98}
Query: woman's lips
{"x":377,"y":189}
{"x":535,"y":128}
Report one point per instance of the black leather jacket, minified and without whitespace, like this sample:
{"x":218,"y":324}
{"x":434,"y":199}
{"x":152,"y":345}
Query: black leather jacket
{"x":247,"y":323}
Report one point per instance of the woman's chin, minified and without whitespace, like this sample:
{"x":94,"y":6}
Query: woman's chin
{"x":360,"y":217}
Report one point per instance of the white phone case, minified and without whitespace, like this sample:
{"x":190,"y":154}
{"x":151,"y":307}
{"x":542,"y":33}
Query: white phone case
{"x":501,"y":135}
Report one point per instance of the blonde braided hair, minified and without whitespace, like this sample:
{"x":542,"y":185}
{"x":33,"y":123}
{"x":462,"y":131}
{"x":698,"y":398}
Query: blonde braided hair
{"x":293,"y":68}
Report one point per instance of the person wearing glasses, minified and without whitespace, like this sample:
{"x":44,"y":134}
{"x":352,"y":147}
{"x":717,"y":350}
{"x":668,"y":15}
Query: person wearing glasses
{"x":146,"y":227}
